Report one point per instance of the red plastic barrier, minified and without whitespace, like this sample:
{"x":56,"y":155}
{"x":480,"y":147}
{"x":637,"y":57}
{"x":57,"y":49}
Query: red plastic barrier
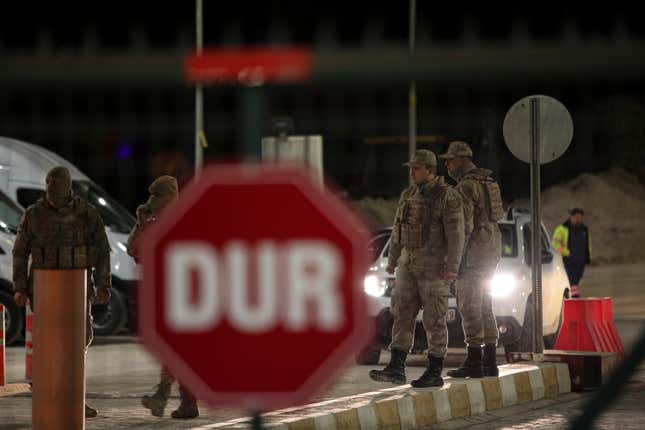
{"x":588,"y":325}
{"x":608,"y":319}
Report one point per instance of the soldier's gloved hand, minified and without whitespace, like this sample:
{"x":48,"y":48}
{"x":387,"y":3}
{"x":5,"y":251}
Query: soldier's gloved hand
{"x":20,"y":297}
{"x":450,"y":276}
{"x":389,"y":270}
{"x":103,"y":295}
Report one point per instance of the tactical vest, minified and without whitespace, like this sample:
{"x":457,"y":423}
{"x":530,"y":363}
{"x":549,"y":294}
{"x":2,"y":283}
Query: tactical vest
{"x":61,"y":240}
{"x":492,"y":202}
{"x":414,"y":219}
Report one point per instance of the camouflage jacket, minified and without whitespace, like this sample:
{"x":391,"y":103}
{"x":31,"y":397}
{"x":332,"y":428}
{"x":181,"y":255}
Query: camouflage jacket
{"x":428,"y":230}
{"x":483,"y":238}
{"x":71,"y":237}
{"x":145,"y":218}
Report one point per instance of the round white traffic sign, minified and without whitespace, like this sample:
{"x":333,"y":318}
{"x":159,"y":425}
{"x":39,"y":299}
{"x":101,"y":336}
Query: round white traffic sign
{"x":554,"y":124}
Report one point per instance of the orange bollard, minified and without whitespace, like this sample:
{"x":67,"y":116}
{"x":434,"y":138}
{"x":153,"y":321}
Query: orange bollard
{"x":3,"y":375}
{"x":29,"y":342}
{"x":58,"y":392}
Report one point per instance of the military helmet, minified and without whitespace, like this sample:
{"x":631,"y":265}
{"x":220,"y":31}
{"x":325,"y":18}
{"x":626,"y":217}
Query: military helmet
{"x":457,"y":148}
{"x":422,"y":157}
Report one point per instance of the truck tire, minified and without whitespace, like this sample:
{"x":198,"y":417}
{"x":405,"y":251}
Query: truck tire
{"x":14,"y":320}
{"x":108,"y":319}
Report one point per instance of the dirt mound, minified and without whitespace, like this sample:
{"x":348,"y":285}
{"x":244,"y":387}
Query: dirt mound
{"x":613,"y":201}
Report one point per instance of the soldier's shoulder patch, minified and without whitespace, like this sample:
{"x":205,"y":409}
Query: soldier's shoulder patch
{"x":468,"y":187}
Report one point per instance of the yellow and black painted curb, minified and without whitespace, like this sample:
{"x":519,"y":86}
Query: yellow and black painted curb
{"x":411,"y":408}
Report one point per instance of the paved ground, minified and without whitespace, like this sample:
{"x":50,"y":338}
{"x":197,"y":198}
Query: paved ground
{"x":119,"y":372}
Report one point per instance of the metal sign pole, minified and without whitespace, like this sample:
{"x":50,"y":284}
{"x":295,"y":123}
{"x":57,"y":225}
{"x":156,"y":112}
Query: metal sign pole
{"x":536,"y":229}
{"x":199,"y":96}
{"x":550,"y":129}
{"x":412,"y":95}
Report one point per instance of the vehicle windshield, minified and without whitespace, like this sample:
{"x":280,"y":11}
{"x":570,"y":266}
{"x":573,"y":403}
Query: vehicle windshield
{"x":114,"y":216}
{"x":10,"y":215}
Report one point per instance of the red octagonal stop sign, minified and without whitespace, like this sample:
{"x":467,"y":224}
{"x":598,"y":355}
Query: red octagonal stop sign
{"x":252,"y":286}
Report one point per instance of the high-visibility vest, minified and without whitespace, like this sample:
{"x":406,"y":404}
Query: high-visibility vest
{"x":561,"y":240}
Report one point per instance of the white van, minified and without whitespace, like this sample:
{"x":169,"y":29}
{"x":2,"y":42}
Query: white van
{"x":23,"y":167}
{"x":10,"y":215}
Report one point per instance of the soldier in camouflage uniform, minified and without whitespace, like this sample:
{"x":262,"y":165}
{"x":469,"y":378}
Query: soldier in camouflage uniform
{"x":482,"y":204}
{"x":163,"y":190}
{"x":428,"y":236}
{"x":61,"y":231}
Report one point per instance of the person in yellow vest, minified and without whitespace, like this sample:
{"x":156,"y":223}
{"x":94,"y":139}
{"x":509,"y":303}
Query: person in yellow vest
{"x":573,"y":241}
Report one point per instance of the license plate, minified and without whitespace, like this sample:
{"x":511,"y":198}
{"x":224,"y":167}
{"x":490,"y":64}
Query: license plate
{"x":452,"y":314}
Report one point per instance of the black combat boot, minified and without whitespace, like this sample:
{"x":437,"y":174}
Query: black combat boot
{"x":472,"y":365}
{"x":432,"y":376}
{"x":157,"y":402}
{"x":490,"y":360}
{"x":188,"y":407}
{"x":395,"y":370}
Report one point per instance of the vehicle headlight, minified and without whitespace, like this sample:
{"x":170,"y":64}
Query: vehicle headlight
{"x":502,"y":285}
{"x":373,"y":286}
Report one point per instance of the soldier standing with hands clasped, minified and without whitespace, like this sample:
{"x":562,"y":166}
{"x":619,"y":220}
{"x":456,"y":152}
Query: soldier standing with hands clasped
{"x":163,"y":191}
{"x":62,"y":231}
{"x":428,"y":236}
{"x":482,"y":203}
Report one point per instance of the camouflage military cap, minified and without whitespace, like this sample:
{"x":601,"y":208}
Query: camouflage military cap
{"x":458,"y":149}
{"x":422,"y":157}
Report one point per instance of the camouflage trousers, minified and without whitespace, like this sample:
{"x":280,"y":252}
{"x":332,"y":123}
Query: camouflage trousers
{"x":413,"y":291}
{"x":476,"y":306}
